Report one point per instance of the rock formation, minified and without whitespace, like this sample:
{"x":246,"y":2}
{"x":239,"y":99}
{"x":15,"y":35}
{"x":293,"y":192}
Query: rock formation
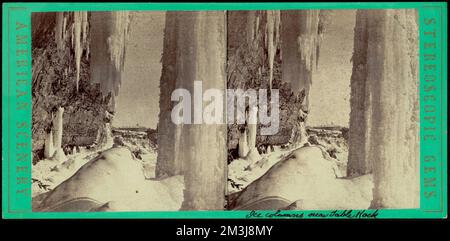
{"x":62,"y":77}
{"x":256,"y":60}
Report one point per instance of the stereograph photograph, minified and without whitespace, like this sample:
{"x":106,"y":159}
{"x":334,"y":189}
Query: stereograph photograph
{"x":225,"y":110}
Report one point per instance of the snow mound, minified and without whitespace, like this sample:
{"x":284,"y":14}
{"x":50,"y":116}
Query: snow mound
{"x":48,"y":173}
{"x":116,"y":179}
{"x":242,"y":171}
{"x":307,"y":174}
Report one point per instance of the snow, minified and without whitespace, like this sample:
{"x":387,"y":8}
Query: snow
{"x":243,"y":172}
{"x":119,"y":177}
{"x":307,"y":175}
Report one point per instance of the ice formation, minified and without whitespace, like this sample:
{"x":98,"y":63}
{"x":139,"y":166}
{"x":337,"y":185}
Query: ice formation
{"x":300,"y":43}
{"x":382,"y":140}
{"x":273,"y":23}
{"x":109,"y":33}
{"x":49,"y":149}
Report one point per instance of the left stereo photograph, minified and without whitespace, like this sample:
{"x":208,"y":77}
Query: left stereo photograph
{"x":96,"y":120}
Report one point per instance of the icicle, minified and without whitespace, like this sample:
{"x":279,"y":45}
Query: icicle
{"x":253,"y":154}
{"x":64,"y":27}
{"x":109,"y":33}
{"x":58,"y":128}
{"x":88,"y":50}
{"x":49,"y":150}
{"x":252,"y":115}
{"x":72,"y":34}
{"x":256,"y":26}
{"x":299,"y":48}
{"x":272,"y":39}
{"x":277,"y":26}
{"x":251,"y":26}
{"x":270,"y":43}
{"x":309,"y":39}
{"x":84,"y":26}
{"x":117,"y":40}
{"x":243,"y":144}
{"x":78,"y":18}
{"x":59,"y":30}
{"x":325,"y":19}
{"x":318,"y":46}
{"x":58,"y":133}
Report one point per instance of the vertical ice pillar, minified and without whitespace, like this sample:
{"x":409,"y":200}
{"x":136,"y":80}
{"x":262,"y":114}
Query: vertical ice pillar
{"x":49,"y":150}
{"x":58,"y":134}
{"x":58,"y":128}
{"x":252,"y":116}
{"x":243,"y":145}
{"x":201,"y":49}
{"x":247,"y":140}
{"x":253,"y":154}
{"x":361,"y":110}
{"x":392,"y":81}
{"x":168,"y":162}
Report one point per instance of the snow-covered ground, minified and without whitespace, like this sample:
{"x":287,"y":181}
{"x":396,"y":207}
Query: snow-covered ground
{"x":121,"y":177}
{"x":242,"y":172}
{"x":314,"y":175}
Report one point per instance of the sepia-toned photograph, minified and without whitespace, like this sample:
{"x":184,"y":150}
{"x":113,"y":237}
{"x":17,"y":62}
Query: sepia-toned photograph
{"x":225,"y":110}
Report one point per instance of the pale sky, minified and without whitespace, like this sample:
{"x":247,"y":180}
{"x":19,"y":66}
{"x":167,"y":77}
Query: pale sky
{"x":138,"y":100}
{"x":330,"y":91}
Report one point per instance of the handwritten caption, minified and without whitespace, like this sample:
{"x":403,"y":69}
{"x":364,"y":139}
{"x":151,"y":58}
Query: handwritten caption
{"x":369,"y":214}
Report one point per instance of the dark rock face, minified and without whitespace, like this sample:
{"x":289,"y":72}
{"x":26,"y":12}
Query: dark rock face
{"x":248,"y":67}
{"x":54,"y":85}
